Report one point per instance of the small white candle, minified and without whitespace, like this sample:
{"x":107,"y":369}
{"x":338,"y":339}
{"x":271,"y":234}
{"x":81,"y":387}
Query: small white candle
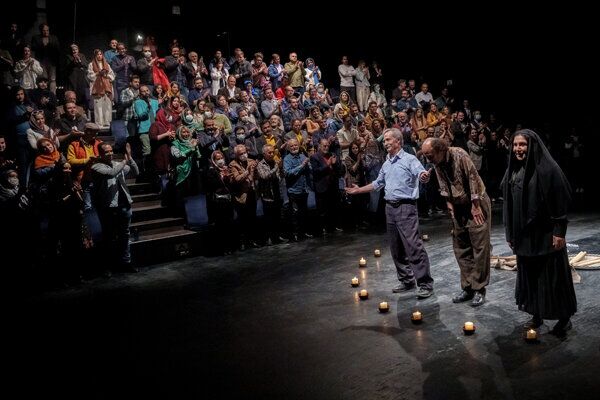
{"x":362,"y":262}
{"x":531,"y":334}
{"x":377,"y":253}
{"x":383,"y":306}
{"x":355,"y":282}
{"x":469,"y":326}
{"x":417,"y":316}
{"x":363,"y":294}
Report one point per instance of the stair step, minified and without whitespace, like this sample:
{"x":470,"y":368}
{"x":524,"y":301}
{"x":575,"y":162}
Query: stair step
{"x":145,"y":197}
{"x":147,"y":210}
{"x":143,"y":226}
{"x":138,"y":188}
{"x":168,"y":233}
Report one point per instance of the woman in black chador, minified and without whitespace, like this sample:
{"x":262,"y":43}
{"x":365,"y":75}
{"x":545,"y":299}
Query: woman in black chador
{"x":536,"y":198}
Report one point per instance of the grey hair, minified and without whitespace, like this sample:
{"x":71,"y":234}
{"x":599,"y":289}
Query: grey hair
{"x":266,"y":148}
{"x":396,"y":134}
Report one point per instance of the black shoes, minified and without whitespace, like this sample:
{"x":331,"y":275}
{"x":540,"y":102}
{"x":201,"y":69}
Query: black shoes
{"x":403,"y":288}
{"x":561,"y":328}
{"x":478,"y":299}
{"x":463,"y":296}
{"x":423,"y":293}
{"x":533,"y":323}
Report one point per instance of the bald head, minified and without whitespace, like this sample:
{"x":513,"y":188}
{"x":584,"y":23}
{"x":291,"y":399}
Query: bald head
{"x":435,"y":149}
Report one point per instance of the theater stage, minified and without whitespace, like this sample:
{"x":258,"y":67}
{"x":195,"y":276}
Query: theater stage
{"x":282,"y":322}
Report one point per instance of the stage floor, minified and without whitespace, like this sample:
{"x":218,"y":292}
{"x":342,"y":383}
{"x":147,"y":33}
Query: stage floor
{"x":282,"y":322}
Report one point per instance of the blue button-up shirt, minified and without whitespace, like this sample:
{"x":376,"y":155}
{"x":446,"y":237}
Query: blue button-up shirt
{"x":400,"y":176}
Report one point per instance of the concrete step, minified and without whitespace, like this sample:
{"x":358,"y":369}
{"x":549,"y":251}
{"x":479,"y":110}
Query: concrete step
{"x":164,"y":244}
{"x":142,"y":226}
{"x":145,"y":197}
{"x":147,"y":210}
{"x":138,"y":188}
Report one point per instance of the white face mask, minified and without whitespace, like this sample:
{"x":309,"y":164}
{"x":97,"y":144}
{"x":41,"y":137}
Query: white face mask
{"x":13,"y":181}
{"x":320,"y":90}
{"x":241,"y":138}
{"x":246,"y":118}
{"x":220,"y":162}
{"x":208,"y":114}
{"x":147,"y":54}
{"x":189,"y":118}
{"x":244,"y":157}
{"x":477,"y":117}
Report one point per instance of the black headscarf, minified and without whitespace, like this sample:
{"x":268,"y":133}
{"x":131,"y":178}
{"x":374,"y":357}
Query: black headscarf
{"x":546,"y":191}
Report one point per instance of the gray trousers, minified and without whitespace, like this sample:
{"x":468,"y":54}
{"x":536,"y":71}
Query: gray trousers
{"x":472,"y":246}
{"x":408,"y":252}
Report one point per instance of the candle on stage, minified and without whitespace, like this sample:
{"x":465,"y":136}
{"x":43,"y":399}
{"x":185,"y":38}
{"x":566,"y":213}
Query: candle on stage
{"x":363,"y":294}
{"x":355,"y":282}
{"x":417,"y":316}
{"x":384,"y":307}
{"x":377,"y":253}
{"x":362,"y":262}
{"x":531,"y":334}
{"x":469,"y":328}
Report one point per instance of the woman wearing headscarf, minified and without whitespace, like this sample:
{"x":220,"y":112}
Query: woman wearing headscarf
{"x":185,"y":155}
{"x":162,"y":133}
{"x":38,"y":129}
{"x":536,"y":199}
{"x":312,"y":73}
{"x":101,"y":77}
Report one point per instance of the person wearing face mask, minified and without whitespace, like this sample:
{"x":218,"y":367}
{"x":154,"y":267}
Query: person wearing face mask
{"x":210,"y":139}
{"x":537,"y":196}
{"x":112,"y":201}
{"x":243,"y":171}
{"x":144,"y":68}
{"x":219,"y":206}
{"x":296,"y":168}
{"x":248,"y":139}
{"x":18,"y":222}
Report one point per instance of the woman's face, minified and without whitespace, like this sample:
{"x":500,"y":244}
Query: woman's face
{"x":159,"y":89}
{"x":47,"y":147}
{"x":222,"y":101}
{"x":344,"y":97}
{"x":218,"y":156}
{"x":39,"y":119}
{"x":175,"y":103}
{"x":186,"y":134}
{"x":520,"y":147}
{"x":174,"y":88}
{"x":354,"y":149}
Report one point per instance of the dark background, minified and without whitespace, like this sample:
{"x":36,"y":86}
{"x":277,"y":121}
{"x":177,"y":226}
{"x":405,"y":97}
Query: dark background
{"x":528,"y":69}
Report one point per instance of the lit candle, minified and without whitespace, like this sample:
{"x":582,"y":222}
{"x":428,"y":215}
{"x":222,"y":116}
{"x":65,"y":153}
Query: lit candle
{"x":469,"y":328}
{"x":363,"y":294}
{"x":417,"y":316}
{"x":425,"y":237}
{"x":355,"y":282}
{"x":362,"y":262}
{"x":377,"y":253}
{"x":384,"y":307}
{"x":531,"y":334}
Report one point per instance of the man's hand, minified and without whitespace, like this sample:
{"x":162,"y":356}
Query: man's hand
{"x":425,"y":176}
{"x":354,"y":189}
{"x":558,"y":242}
{"x":477,"y":214}
{"x":450,"y":209}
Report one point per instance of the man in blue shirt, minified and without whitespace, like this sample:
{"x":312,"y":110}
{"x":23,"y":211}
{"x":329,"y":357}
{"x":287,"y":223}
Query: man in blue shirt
{"x":400,"y":175}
